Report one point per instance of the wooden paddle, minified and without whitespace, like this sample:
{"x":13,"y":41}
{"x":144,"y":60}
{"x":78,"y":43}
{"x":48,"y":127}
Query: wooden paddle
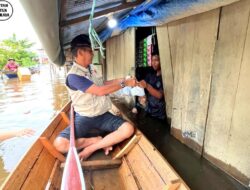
{"x":72,"y":173}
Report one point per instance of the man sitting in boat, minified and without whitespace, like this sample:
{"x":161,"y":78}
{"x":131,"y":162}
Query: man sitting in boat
{"x":91,"y":103}
{"x":11,"y":65}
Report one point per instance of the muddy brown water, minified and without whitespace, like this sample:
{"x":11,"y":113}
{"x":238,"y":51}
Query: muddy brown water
{"x":29,"y":104}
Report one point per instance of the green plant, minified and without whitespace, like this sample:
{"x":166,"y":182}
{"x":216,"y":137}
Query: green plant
{"x":17,"y":49}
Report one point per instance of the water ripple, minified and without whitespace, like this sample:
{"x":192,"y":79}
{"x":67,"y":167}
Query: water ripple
{"x":31,"y":104}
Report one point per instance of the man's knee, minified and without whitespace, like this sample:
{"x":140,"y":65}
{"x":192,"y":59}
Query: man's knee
{"x":61,"y":144}
{"x":128,"y":129}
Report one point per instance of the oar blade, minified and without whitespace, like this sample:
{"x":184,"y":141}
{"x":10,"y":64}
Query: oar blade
{"x":73,"y":175}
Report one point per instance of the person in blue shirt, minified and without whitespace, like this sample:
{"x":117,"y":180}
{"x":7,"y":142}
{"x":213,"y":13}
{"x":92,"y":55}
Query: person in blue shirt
{"x":155,"y":102}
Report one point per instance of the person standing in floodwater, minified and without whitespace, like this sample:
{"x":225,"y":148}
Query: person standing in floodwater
{"x":154,"y":102}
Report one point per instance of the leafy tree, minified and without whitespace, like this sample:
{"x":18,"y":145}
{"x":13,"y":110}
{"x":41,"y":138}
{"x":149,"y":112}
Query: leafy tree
{"x":17,"y":49}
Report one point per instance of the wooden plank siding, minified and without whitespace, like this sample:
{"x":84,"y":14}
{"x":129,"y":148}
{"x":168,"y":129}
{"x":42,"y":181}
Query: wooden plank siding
{"x":239,"y":143}
{"x":109,"y":56}
{"x":205,"y":6}
{"x":120,"y":62}
{"x":209,"y":57}
{"x":227,"y":139}
{"x":166,"y":67}
{"x":120,"y":53}
{"x":192,"y":57}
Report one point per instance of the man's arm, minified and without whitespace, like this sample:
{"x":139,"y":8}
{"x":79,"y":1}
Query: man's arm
{"x":18,"y":133}
{"x":114,"y":81}
{"x":76,"y":82}
{"x":109,"y":88}
{"x":154,"y":92}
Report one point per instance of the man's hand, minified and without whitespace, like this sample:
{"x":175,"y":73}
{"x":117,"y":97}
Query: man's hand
{"x":130,"y":82}
{"x":25,"y":132}
{"x":142,"y":84}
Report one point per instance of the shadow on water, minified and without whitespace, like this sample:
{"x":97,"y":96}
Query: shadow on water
{"x":28,"y":104}
{"x":197,"y":172}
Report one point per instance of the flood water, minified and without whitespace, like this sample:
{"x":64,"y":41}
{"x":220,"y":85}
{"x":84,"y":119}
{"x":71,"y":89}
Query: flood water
{"x":30,"y":104}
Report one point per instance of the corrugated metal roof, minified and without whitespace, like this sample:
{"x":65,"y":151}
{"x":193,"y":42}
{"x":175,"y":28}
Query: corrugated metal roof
{"x":78,"y":8}
{"x":57,"y":22}
{"x":100,"y":23}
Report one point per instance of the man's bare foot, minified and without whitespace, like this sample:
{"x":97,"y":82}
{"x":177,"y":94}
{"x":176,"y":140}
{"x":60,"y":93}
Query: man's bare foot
{"x":94,"y":140}
{"x":107,"y":150}
{"x":134,"y":110}
{"x":83,"y":155}
{"x":85,"y":142}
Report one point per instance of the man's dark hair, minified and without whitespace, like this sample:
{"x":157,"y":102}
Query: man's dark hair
{"x":11,"y":59}
{"x":154,"y":54}
{"x":79,"y":41}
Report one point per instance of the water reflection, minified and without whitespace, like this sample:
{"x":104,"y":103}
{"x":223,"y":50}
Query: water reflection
{"x":29,"y":104}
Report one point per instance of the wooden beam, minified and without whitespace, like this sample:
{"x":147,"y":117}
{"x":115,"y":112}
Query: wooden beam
{"x":173,"y":186}
{"x":65,"y":118}
{"x":99,"y":164}
{"x":133,"y":141}
{"x":51,"y":149}
{"x":63,"y":10}
{"x":54,"y":179}
{"x":127,"y":176}
{"x":123,"y":6}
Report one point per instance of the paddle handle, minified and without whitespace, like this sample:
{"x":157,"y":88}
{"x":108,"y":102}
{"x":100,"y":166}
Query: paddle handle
{"x":72,"y":127}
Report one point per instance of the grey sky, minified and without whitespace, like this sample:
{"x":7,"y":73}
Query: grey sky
{"x":18,"y":24}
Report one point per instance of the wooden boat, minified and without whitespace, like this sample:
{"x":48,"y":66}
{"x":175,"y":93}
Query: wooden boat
{"x":23,"y":74}
{"x":10,"y":74}
{"x":135,"y":164}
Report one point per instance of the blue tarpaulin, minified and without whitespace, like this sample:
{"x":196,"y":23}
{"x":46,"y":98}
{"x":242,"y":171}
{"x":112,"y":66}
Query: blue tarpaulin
{"x":158,"y":12}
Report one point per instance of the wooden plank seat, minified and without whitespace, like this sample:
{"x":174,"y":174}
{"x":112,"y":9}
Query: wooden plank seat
{"x":99,"y":164}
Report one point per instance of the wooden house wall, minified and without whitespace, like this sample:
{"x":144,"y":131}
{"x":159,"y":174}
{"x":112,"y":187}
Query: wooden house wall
{"x":206,"y":67}
{"x":120,"y":55}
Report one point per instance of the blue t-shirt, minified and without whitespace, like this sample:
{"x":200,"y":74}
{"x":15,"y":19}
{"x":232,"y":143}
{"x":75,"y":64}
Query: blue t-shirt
{"x":76,"y":82}
{"x":155,"y":107}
